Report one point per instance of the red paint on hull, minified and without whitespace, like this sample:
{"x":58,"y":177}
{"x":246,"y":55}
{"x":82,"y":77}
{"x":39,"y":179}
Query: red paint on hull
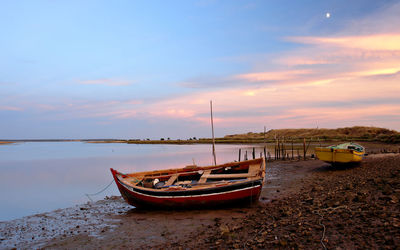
{"x":242,"y":196}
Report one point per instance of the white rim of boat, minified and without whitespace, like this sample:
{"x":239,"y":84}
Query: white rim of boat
{"x":185,"y":196}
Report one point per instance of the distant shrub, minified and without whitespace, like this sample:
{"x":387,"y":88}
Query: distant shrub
{"x":390,"y":139}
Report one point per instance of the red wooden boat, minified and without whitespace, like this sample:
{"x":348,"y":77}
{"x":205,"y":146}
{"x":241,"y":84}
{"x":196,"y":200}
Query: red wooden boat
{"x":193,"y":186}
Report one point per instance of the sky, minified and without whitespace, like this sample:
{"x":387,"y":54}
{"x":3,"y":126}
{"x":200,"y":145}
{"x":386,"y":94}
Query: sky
{"x":148,"y":69}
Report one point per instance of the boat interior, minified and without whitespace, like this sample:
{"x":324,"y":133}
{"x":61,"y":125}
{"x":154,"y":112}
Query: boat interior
{"x":195,"y":177}
{"x":349,"y":145}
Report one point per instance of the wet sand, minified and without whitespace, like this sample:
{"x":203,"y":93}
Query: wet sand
{"x":358,"y":207}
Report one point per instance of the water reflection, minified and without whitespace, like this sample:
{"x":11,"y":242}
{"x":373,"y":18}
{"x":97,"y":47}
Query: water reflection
{"x":39,"y":177}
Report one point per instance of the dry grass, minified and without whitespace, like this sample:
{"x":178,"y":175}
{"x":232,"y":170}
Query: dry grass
{"x":357,"y":133}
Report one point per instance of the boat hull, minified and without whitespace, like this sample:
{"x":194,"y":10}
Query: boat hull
{"x":240,"y":193}
{"x":338,"y":155}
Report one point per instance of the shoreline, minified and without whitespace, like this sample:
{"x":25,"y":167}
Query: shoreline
{"x":207,"y":141}
{"x":286,"y":215}
{"x":6,"y":142}
{"x":94,"y":220}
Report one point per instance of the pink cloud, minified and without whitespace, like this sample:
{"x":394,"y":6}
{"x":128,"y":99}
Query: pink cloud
{"x":273,"y":76}
{"x":67,"y":109}
{"x":10,"y":108}
{"x":333,"y":81}
{"x":388,"y":42}
{"x":106,"y":81}
{"x":355,"y":71}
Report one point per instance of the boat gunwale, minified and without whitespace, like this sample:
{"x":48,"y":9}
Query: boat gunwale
{"x":337,"y":148}
{"x":257,"y":175}
{"x":193,"y":192}
{"x":189,"y":168}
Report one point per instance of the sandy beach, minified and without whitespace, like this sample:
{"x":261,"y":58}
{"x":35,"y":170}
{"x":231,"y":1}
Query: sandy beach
{"x":310,"y":205}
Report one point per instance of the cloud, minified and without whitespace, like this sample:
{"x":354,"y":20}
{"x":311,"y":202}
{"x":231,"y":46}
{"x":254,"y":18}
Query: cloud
{"x":388,"y":42}
{"x":114,"y":109}
{"x":273,"y":76}
{"x":348,"y":78}
{"x":67,"y":109}
{"x":106,"y":81}
{"x":284,"y":101}
{"x":10,"y":108}
{"x":333,"y":81}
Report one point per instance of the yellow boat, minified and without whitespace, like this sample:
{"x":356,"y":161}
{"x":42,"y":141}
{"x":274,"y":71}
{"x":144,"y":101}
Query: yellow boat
{"x":342,"y":153}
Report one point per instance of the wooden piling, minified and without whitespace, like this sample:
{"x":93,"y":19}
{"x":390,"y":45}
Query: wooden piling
{"x":292,"y":149}
{"x":279,"y":149}
{"x":240,"y":152}
{"x":254,"y":153}
{"x":213,"y":139}
{"x":265,"y":153}
{"x":308,"y":145}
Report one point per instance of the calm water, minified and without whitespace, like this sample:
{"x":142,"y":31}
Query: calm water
{"x":37,"y":177}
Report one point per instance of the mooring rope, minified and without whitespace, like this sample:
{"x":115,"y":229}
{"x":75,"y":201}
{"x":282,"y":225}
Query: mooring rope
{"x":323,"y":233}
{"x":104,"y":189}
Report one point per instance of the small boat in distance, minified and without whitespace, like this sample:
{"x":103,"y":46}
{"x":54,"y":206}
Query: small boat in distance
{"x":193,"y":186}
{"x":343,"y":153}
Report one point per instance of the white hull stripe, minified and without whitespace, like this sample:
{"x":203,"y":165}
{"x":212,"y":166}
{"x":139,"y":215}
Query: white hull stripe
{"x":186,"y":196}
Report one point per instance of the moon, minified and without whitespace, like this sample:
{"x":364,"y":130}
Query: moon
{"x":328,"y":15}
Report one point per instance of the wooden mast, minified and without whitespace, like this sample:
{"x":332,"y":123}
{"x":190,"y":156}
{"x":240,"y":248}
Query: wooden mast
{"x":213,"y":139}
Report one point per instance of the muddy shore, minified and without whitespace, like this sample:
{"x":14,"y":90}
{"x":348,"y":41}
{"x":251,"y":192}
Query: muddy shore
{"x":306,"y":205}
{"x":334,"y":208}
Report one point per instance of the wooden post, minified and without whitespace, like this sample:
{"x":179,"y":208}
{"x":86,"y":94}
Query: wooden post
{"x":283,"y":148}
{"x":240,"y":152}
{"x":254,"y":153}
{"x":292,"y":149}
{"x":213,"y":139}
{"x":304,"y":148}
{"x":245,"y":156}
{"x":276,"y":150}
{"x":279,"y":149}
{"x":308,"y":145}
{"x":265,"y":153}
